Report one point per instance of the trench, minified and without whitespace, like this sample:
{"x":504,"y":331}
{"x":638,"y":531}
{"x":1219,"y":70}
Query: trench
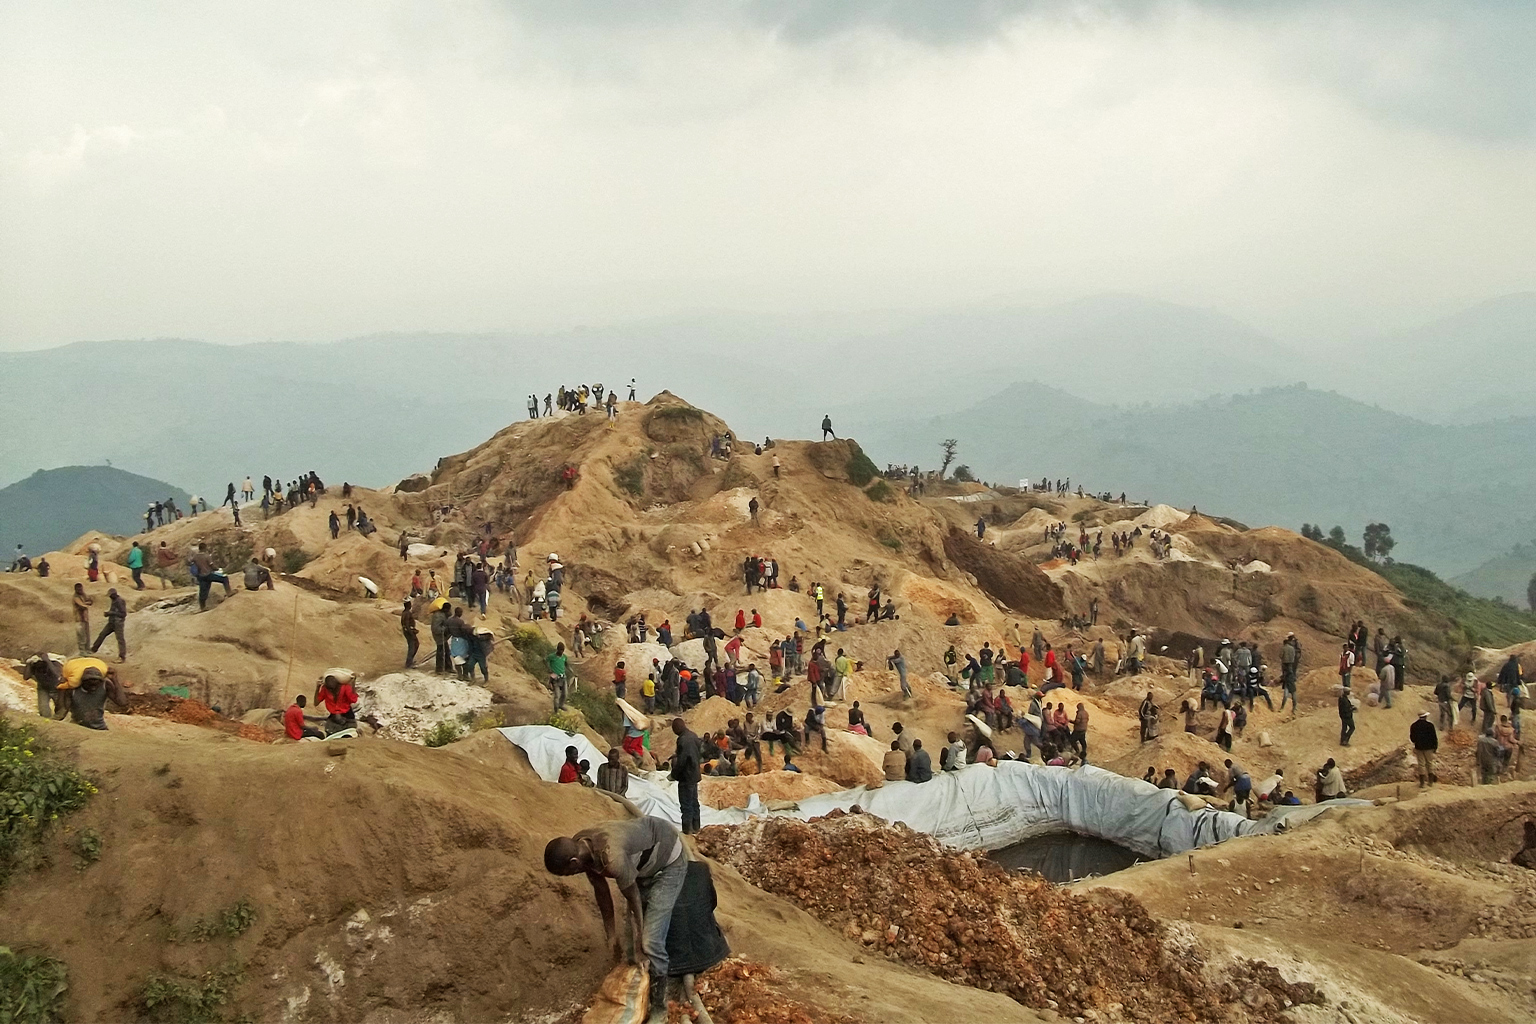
{"x":1066,"y":856}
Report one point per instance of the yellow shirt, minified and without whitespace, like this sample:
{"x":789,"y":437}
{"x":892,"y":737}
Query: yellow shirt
{"x":75,"y":668}
{"x":648,"y":688}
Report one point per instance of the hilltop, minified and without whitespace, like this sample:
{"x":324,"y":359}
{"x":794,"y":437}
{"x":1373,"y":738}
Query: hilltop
{"x":54,"y":506}
{"x":440,"y":847}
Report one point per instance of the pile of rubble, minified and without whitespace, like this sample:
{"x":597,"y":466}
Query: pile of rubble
{"x":972,"y":922}
{"x":743,"y":992}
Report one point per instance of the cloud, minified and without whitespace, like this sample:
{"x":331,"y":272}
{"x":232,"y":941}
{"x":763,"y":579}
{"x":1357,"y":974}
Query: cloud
{"x":295,"y":170}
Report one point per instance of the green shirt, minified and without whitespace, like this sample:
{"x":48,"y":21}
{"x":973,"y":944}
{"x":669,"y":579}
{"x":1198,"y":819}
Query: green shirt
{"x":556,"y":664}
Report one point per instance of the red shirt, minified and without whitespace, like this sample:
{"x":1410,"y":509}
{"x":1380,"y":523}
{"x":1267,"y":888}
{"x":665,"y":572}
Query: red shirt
{"x":741,"y":620}
{"x":568,"y":772}
{"x":757,"y":620}
{"x":293,"y":722}
{"x":338,"y":703}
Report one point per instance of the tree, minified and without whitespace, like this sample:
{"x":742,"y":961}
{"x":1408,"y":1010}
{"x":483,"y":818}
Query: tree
{"x":964,"y":474}
{"x":949,"y":447}
{"x":1378,"y":541}
{"x":1312,"y":532}
{"x":1336,"y":536}
{"x":1530,"y":592}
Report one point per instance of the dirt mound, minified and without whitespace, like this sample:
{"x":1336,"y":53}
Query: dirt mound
{"x":1017,"y":582}
{"x":192,"y":712}
{"x":377,"y":895}
{"x":770,"y":785}
{"x":967,"y":919}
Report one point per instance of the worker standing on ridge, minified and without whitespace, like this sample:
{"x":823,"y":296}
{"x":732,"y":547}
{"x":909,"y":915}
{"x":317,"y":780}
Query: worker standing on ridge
{"x":685,"y":772}
{"x":826,"y":427}
{"x":648,"y":860}
{"x":408,"y":630}
{"x":117,"y":618}
{"x":1425,"y":742}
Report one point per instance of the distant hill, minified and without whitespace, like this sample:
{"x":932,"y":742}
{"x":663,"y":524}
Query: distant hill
{"x":1508,"y":576}
{"x":1282,"y":456}
{"x":52,"y":507}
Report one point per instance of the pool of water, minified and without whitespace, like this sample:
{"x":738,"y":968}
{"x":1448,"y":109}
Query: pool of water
{"x":1066,"y":856}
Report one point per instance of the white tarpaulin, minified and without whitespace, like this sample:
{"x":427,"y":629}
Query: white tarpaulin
{"x":978,"y":807}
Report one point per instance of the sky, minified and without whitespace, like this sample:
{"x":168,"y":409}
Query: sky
{"x":301,"y":170}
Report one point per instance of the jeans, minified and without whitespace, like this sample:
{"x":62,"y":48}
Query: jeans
{"x":658,"y":895}
{"x":557,"y":685}
{"x":1346,"y":730}
{"x":688,"y":801}
{"x":83,"y":636}
{"x":412,"y":645}
{"x":477,"y":660}
{"x":1447,"y":716}
{"x":440,"y":660}
{"x":1288,"y":692}
{"x":205,"y":584}
{"x":1386,"y":695}
{"x":138,"y":577}
{"x":481,"y":599}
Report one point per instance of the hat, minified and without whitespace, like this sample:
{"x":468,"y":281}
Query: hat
{"x":1423,"y":714}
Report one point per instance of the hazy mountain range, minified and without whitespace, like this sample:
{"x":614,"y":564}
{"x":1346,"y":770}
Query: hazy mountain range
{"x":1137,"y":394}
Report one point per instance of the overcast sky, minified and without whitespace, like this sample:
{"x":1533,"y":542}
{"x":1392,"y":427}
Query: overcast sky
{"x":308,"y":170}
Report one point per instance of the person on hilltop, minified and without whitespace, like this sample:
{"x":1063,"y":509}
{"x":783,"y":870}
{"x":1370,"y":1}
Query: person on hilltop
{"x":136,"y":565}
{"x":82,"y":607}
{"x":686,"y":770}
{"x":229,"y":496}
{"x":408,"y":631}
{"x":1425,"y":742}
{"x":826,"y":428}
{"x":1346,"y":717}
{"x":117,"y":618}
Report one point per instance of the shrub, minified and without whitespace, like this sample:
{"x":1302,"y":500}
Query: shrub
{"x":894,"y":543}
{"x":32,"y":988}
{"x":443,"y":733}
{"x":489,"y":720}
{"x":963,"y":475}
{"x":532,"y":648}
{"x":88,"y":848}
{"x":599,"y":708}
{"x":678,"y":414}
{"x":631,"y":476}
{"x":174,"y":1000}
{"x":35,"y":788}
{"x":229,"y":550}
{"x":229,"y":923}
{"x":565,"y":720}
{"x":860,"y":470}
{"x":882,"y":491}
{"x":292,"y":560}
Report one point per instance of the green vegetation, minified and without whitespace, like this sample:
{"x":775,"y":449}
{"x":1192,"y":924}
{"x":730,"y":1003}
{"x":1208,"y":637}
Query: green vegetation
{"x":881,"y":491}
{"x":35,"y":788}
{"x":88,"y":848}
{"x":599,"y":709}
{"x":566,"y":720}
{"x":949,"y":446}
{"x":443,"y":733}
{"x":964,"y":475}
{"x":631,"y":476}
{"x":294,"y":559}
{"x":231,"y":922}
{"x":677,"y":414}
{"x":167,"y":999}
{"x":894,"y":543}
{"x":1482,"y":622}
{"x":32,"y":988}
{"x":532,"y":648}
{"x":860,"y":470}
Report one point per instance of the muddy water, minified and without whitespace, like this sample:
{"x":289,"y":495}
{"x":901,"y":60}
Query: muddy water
{"x":1065,"y":856}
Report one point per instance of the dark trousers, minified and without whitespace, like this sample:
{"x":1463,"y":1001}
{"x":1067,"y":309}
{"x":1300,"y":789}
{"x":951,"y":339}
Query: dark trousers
{"x":688,"y":801}
{"x":112,"y":626}
{"x":1346,"y":730}
{"x":440,"y":661}
{"x":412,"y":645}
{"x":1080,"y":744}
{"x":138,"y":577}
